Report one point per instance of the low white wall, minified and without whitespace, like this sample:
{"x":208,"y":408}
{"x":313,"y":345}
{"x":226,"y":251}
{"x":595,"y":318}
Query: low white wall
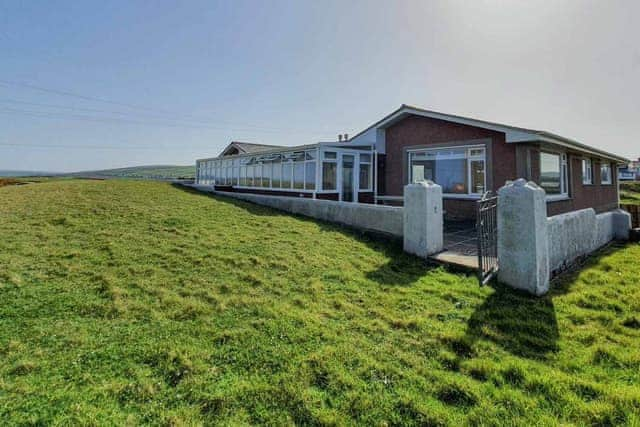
{"x":380,"y":219}
{"x":575,"y":234}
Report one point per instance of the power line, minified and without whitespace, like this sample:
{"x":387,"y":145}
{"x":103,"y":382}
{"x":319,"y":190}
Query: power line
{"x":114,"y":120}
{"x":147,"y":116}
{"x":74,"y":95}
{"x":92,"y":147}
{"x":142,"y":107}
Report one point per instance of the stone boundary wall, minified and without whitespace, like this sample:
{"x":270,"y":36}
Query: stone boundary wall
{"x":575,"y":234}
{"x":387,"y":220}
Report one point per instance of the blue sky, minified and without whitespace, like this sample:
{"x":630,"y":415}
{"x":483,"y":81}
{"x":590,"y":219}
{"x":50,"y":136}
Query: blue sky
{"x":86,"y":85}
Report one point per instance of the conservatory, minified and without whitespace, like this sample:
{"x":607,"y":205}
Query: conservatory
{"x":324,"y":170}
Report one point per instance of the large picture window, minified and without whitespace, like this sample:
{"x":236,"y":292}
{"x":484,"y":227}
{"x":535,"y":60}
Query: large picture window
{"x":458,"y":170}
{"x":553,"y":173}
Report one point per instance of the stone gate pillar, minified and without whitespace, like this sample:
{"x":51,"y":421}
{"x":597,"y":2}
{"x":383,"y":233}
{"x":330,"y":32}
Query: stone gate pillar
{"x":523,"y":251}
{"x":423,"y":220}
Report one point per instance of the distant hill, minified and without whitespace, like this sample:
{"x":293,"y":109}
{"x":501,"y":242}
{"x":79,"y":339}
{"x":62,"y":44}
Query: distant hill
{"x":14,"y":173}
{"x":143,"y":172}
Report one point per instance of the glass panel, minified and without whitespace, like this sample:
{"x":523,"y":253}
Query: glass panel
{"x":330,"y":155}
{"x":476,"y":152}
{"x":550,"y":173}
{"x":366,"y":158}
{"x":298,"y":175}
{"x":329,"y":175}
{"x":266,"y":175}
{"x":587,"y":172}
{"x":243,"y":176}
{"x":310,"y":155}
{"x":286,"y":175}
{"x":605,"y":173}
{"x":365,"y":176}
{"x":450,"y":173}
{"x":257,"y":175}
{"x":310,"y":176}
{"x":275,"y":176}
{"x":477,"y":176}
{"x":250,"y":176}
{"x":347,"y":178}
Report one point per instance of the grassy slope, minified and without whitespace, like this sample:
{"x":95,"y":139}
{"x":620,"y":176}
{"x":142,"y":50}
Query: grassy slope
{"x":148,"y":172}
{"x":139,"y":302}
{"x":630,"y":192}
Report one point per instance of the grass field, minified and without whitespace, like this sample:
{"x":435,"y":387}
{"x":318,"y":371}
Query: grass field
{"x":630,"y":192}
{"x":129,"y":302}
{"x":144,"y":172}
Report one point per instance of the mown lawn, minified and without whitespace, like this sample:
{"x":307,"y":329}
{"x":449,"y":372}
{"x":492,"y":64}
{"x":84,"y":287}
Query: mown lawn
{"x":630,"y":192}
{"x":138,"y":302}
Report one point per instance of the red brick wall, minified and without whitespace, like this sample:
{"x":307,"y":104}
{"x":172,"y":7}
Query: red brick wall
{"x":420,"y":131}
{"x":600,"y":197}
{"x":423,"y":131}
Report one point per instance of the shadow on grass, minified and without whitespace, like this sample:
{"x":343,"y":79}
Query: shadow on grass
{"x":520,"y":323}
{"x":525,"y":325}
{"x":401,"y":270}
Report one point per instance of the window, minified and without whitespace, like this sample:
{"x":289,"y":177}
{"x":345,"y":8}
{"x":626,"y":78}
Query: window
{"x":250,"y":170}
{"x":266,"y":174}
{"x":298,"y":175}
{"x":310,"y":175}
{"x":457,"y":170}
{"x":243,"y":175}
{"x":286,"y":174}
{"x":553,"y":173}
{"x":330,"y":171}
{"x":587,"y":172}
{"x":275,"y":177}
{"x":365,"y":172}
{"x":605,"y":173}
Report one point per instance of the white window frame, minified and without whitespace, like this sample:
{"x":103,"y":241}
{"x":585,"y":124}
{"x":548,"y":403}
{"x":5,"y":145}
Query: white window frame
{"x":326,"y":160}
{"x":564,"y":175}
{"x":317,"y":153}
{"x":369,"y":186}
{"x":469,"y":194}
{"x":606,"y":165}
{"x":587,"y":166}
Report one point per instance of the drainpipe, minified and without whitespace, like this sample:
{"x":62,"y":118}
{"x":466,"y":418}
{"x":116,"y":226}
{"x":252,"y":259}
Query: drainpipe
{"x":375,"y":175}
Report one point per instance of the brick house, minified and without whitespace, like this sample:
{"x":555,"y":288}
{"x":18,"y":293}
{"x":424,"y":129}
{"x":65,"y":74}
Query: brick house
{"x":466,"y":156}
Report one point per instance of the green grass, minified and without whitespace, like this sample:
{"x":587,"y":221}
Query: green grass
{"x":630,"y":192}
{"x":144,"y":172}
{"x":129,"y":302}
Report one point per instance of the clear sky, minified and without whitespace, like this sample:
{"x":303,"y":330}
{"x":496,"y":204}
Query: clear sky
{"x":86,"y":85}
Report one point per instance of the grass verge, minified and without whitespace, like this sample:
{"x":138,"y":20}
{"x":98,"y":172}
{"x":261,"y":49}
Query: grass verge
{"x":142,"y":303}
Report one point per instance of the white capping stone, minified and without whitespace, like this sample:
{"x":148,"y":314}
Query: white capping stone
{"x":423,"y":220}
{"x":523,"y":250}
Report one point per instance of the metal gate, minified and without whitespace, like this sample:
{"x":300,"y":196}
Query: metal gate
{"x":487,"y":229}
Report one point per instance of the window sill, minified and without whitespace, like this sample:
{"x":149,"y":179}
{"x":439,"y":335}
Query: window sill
{"x":560,"y":198}
{"x":462,"y":196}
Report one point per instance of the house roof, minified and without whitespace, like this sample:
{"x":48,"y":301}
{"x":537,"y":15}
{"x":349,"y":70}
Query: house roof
{"x":247,"y":147}
{"x":513,"y":134}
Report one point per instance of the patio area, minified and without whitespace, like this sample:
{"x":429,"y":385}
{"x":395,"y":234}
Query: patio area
{"x":460,"y":245}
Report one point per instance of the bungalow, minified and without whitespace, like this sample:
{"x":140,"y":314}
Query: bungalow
{"x":466,"y":156}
